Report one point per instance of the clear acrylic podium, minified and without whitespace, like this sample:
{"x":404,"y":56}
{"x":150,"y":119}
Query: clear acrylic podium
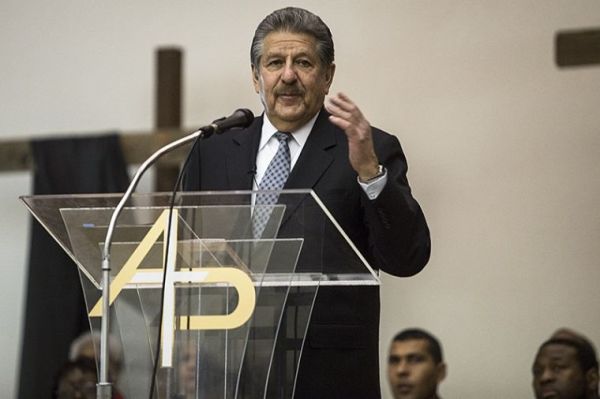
{"x":235,"y":308}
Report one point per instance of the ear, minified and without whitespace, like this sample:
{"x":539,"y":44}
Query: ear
{"x":329,"y":72}
{"x":255,"y":78}
{"x":442,"y":371}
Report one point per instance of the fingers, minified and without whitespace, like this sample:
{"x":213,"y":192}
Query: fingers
{"x":346,"y":115}
{"x":342,"y":101}
{"x":342,"y":107}
{"x":346,"y":109}
{"x":338,"y":116}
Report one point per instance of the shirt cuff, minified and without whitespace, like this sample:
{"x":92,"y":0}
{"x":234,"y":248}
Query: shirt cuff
{"x":374,"y":187}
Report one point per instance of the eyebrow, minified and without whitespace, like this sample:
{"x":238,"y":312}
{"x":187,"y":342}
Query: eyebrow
{"x":277,"y":54}
{"x":409,"y":354}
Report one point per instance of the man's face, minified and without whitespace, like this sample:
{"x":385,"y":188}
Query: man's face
{"x":557,"y":373}
{"x":412,"y":372}
{"x":290,"y":79}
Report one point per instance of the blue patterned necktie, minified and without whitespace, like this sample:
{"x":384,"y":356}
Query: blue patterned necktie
{"x":275,"y":176}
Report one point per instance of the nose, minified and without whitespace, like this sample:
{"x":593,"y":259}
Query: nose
{"x":288,"y":74}
{"x":546,"y":376}
{"x":402,"y":368}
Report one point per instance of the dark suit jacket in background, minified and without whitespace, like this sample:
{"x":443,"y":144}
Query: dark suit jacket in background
{"x":340,"y":356}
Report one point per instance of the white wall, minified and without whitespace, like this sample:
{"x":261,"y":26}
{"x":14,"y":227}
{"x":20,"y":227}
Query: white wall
{"x":502,"y":147}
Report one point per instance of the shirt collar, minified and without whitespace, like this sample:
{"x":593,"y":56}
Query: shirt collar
{"x":299,"y":136}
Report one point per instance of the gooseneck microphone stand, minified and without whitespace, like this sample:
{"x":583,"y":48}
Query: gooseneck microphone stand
{"x":240,"y":118}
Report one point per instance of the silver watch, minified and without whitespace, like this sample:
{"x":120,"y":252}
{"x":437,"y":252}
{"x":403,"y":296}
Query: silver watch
{"x":380,"y":172}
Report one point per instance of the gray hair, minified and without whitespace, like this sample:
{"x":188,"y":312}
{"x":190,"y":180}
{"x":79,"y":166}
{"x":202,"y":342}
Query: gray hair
{"x":294,"y":20}
{"x":93,"y":339}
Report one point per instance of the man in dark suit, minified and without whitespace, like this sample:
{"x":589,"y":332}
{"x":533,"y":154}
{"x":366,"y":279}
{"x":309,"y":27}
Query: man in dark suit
{"x":358,"y":171}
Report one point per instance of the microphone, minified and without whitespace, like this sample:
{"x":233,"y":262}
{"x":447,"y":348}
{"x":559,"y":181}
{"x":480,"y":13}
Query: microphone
{"x":240,"y":118}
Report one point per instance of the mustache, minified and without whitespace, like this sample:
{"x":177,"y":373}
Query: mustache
{"x":289,"y":91}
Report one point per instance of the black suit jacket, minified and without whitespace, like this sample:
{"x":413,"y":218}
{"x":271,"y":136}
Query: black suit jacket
{"x":340,"y":355}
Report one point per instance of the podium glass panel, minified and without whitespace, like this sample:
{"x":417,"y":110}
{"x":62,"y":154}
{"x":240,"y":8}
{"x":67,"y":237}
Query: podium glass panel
{"x":233,"y":308}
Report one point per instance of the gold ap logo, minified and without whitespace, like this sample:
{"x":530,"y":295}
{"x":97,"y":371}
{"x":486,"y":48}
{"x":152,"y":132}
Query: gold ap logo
{"x":131,"y":273}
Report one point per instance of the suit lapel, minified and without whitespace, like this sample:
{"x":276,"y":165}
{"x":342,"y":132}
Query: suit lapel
{"x":314,"y":160}
{"x":241,"y":157}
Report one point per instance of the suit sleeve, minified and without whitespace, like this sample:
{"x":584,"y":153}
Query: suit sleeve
{"x":398,"y":234}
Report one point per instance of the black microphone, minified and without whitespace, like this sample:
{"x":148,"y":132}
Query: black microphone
{"x":240,"y":118}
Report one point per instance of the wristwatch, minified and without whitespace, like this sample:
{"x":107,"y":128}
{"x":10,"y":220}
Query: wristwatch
{"x":380,"y":172}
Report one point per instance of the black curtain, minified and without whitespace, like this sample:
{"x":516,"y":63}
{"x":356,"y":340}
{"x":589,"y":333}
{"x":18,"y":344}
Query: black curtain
{"x":55,"y":310}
